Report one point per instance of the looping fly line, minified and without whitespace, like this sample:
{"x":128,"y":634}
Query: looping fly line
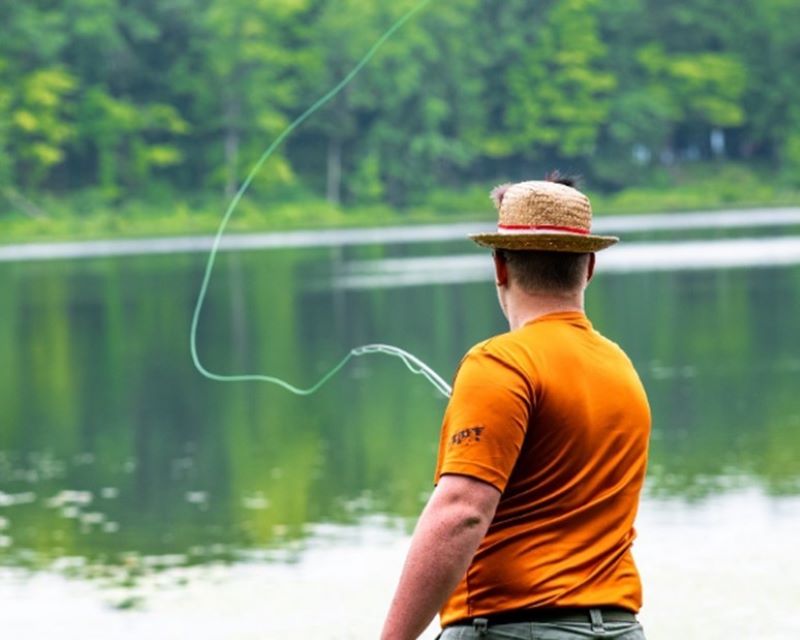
{"x":414,"y":364}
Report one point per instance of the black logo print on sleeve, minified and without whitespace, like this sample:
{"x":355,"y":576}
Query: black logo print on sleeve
{"x":473,"y":434}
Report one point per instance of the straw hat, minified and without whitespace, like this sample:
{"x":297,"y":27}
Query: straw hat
{"x":544,"y":216}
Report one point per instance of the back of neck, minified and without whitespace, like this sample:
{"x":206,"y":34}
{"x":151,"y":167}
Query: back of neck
{"x":524,"y":308}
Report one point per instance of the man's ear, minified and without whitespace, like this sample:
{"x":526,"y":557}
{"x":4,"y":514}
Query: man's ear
{"x":500,"y":269}
{"x":590,"y":270}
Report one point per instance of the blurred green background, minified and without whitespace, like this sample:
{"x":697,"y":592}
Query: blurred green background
{"x":142,"y":117}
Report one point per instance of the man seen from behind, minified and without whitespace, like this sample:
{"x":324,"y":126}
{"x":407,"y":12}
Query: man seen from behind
{"x":542,"y":455}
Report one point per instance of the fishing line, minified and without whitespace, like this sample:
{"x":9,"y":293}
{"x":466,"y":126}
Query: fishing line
{"x":414,"y":364}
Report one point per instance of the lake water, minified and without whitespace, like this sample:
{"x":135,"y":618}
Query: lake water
{"x":138,"y":499}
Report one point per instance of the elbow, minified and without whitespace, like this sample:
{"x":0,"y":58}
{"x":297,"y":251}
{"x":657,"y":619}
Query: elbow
{"x":474,"y":520}
{"x":467,"y":519}
{"x":464,"y":504}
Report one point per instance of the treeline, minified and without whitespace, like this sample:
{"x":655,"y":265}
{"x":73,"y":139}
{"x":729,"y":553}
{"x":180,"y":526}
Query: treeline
{"x":124,"y":97}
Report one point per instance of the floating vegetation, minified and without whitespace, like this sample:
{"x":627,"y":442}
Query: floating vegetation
{"x":128,"y":603}
{"x":70,"y":497}
{"x":16,"y":499}
{"x":256,"y":502}
{"x":197,"y":497}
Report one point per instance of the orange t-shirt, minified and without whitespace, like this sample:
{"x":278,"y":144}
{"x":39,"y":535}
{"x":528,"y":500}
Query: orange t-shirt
{"x":555,"y":417}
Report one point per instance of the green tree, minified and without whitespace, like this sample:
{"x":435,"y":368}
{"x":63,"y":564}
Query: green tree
{"x":680,"y":77}
{"x":119,"y":131}
{"x":35,"y":101}
{"x":411,"y":118}
{"x":561,"y":85}
{"x":704,"y":87}
{"x":771,"y":50}
{"x":186,"y":94}
{"x":249,"y":62}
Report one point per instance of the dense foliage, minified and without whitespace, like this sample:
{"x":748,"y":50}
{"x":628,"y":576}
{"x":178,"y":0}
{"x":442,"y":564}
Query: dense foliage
{"x":120,"y":97}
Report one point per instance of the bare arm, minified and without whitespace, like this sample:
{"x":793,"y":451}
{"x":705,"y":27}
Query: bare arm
{"x":449,"y":531}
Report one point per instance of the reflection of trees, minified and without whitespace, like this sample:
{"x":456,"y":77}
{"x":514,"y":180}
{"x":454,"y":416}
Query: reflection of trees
{"x":97,"y":392}
{"x":717,"y":354}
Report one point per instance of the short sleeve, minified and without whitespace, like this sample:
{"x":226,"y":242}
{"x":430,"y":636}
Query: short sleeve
{"x":486,"y":420}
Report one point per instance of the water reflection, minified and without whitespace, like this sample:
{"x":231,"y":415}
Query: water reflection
{"x":119,"y":463}
{"x":626,"y":258}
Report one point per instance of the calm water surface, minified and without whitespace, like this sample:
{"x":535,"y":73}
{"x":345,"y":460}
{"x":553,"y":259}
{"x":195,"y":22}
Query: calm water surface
{"x":137,"y":498}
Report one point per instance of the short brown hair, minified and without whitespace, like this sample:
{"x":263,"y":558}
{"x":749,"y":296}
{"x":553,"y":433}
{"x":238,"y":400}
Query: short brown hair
{"x":546,"y":271}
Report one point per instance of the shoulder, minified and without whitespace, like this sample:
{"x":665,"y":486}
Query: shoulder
{"x":497,"y":346}
{"x":491,"y":352}
{"x":515,"y":349}
{"x":613,"y":347}
{"x":496,"y":361}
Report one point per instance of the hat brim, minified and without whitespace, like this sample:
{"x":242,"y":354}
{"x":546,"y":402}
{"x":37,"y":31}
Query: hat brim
{"x":567,"y":242}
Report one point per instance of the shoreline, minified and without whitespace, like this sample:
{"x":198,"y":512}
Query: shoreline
{"x":441,"y":232}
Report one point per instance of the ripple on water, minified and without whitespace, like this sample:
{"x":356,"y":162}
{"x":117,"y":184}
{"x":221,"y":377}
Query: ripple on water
{"x":256,"y":502}
{"x":70,"y":497}
{"x":16,"y":499}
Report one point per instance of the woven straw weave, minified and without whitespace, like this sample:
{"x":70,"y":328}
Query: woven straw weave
{"x":545,"y":203}
{"x":545,"y":216}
